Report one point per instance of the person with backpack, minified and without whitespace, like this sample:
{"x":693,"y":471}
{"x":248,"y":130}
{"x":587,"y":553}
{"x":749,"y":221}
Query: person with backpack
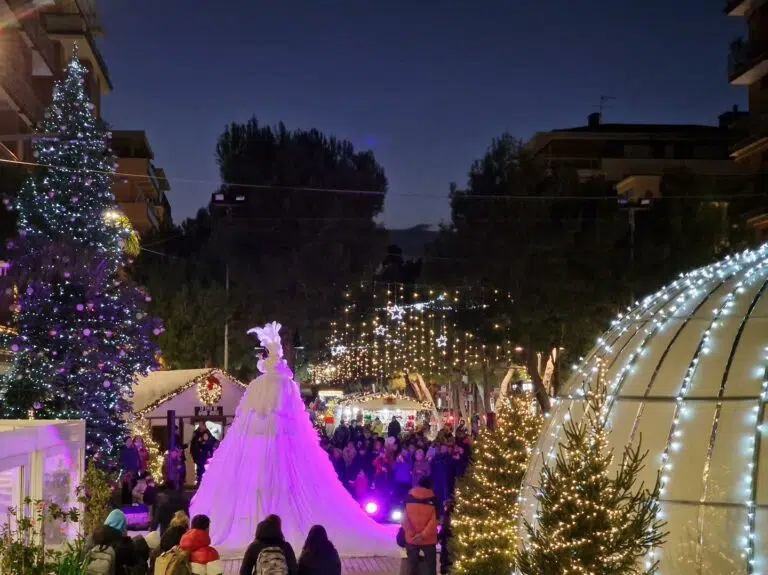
{"x":203,"y":559}
{"x":270,"y":553}
{"x":170,"y":539}
{"x":319,"y":556}
{"x":108,"y":551}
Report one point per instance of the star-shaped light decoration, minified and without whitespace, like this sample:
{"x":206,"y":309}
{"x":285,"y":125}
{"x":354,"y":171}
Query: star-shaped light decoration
{"x":441,"y":341}
{"x":337,"y":350}
{"x":395,"y":312}
{"x":380,"y":330}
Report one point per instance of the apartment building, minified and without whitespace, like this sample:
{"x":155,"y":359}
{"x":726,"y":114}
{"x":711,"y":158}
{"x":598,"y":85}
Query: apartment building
{"x":36,"y":44}
{"x":140,"y":187}
{"x":748,"y":67}
{"x":635,"y":157}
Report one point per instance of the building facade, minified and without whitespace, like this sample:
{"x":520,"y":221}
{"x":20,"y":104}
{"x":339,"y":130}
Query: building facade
{"x":637,"y":156}
{"x":36,"y":45}
{"x":37,"y":41}
{"x":748,"y":67}
{"x":140,"y":187}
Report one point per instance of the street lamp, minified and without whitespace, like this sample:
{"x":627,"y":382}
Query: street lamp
{"x":220,"y":199}
{"x":632,"y":204}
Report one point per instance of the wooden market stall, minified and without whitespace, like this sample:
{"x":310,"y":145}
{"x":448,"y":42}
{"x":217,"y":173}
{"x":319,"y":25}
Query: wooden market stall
{"x":368,"y":406}
{"x":208,"y":395}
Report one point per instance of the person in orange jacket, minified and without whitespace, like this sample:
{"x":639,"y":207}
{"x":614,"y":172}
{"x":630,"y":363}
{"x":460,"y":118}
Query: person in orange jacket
{"x":420,"y":526}
{"x":203,"y":559}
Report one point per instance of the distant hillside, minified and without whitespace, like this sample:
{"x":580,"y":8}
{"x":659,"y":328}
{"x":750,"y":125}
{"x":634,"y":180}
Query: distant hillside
{"x":413,"y":241}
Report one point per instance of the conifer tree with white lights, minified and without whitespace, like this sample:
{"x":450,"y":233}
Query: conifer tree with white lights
{"x":591,"y":520}
{"x":487,"y":509}
{"x":83,"y":334}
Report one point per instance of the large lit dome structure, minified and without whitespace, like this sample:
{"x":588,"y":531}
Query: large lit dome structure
{"x":687,"y":370}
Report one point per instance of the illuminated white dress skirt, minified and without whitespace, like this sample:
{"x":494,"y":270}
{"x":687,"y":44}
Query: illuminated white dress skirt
{"x":270,"y":461}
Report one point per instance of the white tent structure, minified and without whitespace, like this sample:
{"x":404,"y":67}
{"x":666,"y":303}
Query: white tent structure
{"x":209,"y":395}
{"x":687,"y":370}
{"x":41,"y":459}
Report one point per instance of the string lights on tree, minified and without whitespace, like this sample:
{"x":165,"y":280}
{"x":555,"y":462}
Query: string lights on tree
{"x":485,"y":532}
{"x":591,"y":521}
{"x":140,"y":427}
{"x":83,"y":332}
{"x":390,"y":329}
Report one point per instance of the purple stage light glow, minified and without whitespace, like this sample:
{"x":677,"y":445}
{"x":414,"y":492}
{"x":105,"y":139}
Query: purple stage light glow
{"x":371,"y":507}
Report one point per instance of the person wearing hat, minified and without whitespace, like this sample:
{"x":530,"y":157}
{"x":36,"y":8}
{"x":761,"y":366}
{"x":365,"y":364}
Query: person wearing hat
{"x":108,"y":549}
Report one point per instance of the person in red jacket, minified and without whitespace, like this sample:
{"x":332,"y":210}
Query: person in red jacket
{"x":420,"y":526}
{"x":203,"y":559}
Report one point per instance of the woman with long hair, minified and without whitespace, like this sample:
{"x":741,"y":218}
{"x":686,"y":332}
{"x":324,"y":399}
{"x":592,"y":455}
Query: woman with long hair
{"x":138,"y":443}
{"x":171,"y":538}
{"x":319,"y":556}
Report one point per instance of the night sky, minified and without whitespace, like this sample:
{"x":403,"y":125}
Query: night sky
{"x":425,"y":84}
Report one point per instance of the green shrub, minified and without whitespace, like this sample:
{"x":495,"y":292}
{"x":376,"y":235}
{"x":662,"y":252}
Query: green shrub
{"x":95,"y":494}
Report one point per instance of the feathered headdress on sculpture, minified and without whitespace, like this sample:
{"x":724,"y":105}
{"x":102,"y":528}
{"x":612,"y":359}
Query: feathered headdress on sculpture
{"x":269,"y":337}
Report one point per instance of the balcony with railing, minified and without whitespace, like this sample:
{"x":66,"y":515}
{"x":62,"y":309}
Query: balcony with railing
{"x":15,"y":75}
{"x":748,"y":132}
{"x":74,"y":25}
{"x":152,"y":173}
{"x":741,"y":7}
{"x":32,"y":27}
{"x":747,"y":62}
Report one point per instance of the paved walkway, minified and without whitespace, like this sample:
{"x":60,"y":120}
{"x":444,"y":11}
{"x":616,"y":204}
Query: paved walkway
{"x":369,"y":566}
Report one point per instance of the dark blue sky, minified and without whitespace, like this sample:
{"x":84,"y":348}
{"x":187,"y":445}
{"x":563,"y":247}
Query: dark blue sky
{"x":425,"y":84}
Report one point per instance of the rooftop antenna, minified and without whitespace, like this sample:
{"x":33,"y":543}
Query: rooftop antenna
{"x":604,"y":104}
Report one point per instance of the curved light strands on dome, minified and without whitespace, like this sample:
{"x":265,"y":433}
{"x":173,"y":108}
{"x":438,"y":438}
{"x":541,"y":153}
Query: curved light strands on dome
{"x":759,"y":411}
{"x":594,"y":366}
{"x":674,"y":441}
{"x":655,"y":314}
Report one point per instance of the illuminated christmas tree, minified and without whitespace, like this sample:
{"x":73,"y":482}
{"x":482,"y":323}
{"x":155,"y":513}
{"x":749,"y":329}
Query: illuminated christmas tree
{"x":140,"y":427}
{"x":591,"y":520}
{"x":487,"y":513}
{"x":83,"y":333}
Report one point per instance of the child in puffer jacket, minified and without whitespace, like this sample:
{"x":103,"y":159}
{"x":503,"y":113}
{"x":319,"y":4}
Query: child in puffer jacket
{"x":203,"y":559}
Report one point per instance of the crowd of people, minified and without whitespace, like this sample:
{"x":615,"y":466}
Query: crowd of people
{"x":391,"y":462}
{"x":417,"y":474}
{"x":370,"y":458}
{"x":176,"y":540}
{"x":109,"y":550}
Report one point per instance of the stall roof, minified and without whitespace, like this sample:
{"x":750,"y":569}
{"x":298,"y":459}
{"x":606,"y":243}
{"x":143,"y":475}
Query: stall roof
{"x":378,"y":401}
{"x":151,"y":391}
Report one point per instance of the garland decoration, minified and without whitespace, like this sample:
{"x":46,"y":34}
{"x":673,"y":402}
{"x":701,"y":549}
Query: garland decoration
{"x":210,"y":390}
{"x":192,"y":382}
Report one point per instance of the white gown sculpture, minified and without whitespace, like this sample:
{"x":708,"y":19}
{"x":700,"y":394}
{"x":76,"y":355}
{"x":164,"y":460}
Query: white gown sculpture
{"x":270,"y":461}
